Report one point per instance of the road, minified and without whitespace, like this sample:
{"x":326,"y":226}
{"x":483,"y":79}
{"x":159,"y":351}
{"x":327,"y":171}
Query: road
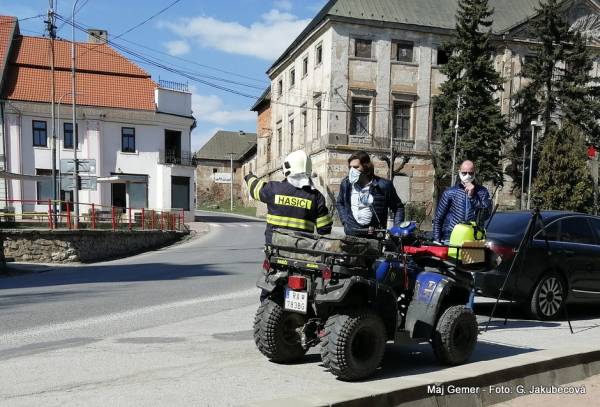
{"x":174,"y":327}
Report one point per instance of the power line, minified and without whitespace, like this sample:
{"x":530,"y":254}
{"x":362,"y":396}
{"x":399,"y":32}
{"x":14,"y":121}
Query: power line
{"x":148,"y":19}
{"x":192,"y":77}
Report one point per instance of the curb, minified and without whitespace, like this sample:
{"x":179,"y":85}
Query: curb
{"x":484,"y":383}
{"x":231,"y":214}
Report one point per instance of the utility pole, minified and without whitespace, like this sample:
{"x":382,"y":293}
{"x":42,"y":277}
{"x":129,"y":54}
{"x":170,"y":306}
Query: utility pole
{"x":51,"y":27}
{"x":75,"y":132}
{"x":458,"y":102}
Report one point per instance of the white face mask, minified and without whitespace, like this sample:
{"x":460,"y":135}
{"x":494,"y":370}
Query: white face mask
{"x":299,"y":180}
{"x":466,"y":178}
{"x":353,"y":175}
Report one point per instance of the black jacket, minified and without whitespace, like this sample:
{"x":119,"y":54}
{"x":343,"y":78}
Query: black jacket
{"x":384,"y":198}
{"x":288,"y":207}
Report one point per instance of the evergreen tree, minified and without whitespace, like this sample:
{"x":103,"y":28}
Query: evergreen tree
{"x":471,"y":75}
{"x":564,"y":181}
{"x":559,"y":84}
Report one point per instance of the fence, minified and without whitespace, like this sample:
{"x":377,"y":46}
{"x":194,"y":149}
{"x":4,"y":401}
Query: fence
{"x":91,"y":216}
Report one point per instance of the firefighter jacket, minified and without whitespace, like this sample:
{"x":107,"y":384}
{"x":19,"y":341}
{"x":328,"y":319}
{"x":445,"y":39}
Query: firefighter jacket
{"x":288,"y":207}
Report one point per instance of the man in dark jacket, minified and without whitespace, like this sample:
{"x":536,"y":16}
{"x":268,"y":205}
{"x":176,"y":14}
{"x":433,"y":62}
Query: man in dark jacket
{"x":463,"y":202}
{"x":364,"y":198}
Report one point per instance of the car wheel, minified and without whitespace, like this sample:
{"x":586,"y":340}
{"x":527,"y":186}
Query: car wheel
{"x":548,"y":298}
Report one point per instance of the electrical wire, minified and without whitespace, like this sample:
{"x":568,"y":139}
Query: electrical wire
{"x":177,"y":71}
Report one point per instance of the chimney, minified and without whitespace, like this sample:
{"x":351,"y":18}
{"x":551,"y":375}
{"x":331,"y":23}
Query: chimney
{"x":97,"y":36}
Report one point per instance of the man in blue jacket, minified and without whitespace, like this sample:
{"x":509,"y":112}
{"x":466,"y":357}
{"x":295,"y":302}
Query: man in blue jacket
{"x":460,"y":203}
{"x":364,"y":198}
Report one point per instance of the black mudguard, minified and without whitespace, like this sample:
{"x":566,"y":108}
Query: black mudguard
{"x":337,"y":292}
{"x":270,"y":281}
{"x":430,"y":291}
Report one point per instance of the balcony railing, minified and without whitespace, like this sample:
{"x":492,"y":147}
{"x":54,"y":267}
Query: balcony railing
{"x":178,"y":86}
{"x":175,"y":157}
{"x":400,"y":145}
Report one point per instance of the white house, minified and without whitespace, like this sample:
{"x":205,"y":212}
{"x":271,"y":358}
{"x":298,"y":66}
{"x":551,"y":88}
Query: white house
{"x":137,"y":130}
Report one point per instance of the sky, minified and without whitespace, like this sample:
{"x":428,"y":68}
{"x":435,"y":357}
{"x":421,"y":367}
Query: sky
{"x":230,"y":43}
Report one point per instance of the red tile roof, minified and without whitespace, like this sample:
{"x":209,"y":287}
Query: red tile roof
{"x":7,"y":27}
{"x":104,"y":77}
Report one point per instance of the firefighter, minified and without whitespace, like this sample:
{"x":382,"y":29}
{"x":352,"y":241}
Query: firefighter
{"x":293,"y":203}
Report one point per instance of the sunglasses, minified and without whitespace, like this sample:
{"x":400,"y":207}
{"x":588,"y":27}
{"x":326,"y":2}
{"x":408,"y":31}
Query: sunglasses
{"x":467,"y":172}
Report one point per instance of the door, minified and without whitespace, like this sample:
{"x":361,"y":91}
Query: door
{"x":579,"y":251}
{"x":119,"y":195}
{"x":172,"y":147}
{"x":180,"y":193}
{"x":595,"y":272}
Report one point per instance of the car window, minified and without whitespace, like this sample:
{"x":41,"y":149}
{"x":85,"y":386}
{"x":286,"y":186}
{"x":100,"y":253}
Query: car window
{"x":596,"y":226}
{"x":552,"y":232}
{"x":576,"y":230}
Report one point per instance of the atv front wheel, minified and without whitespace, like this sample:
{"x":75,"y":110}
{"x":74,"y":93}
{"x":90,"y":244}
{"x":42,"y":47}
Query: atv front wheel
{"x":276,"y":332}
{"x":455,"y":335}
{"x":353,"y":344}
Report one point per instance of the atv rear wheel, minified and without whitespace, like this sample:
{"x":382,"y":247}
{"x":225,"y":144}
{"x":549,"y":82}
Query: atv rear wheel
{"x":276,"y":332}
{"x":353,"y":344}
{"x":455,"y":335}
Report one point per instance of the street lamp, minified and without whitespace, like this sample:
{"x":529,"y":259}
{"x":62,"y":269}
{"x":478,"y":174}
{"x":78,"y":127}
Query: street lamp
{"x":458,"y":102}
{"x":73,"y":131}
{"x":533,"y":126}
{"x":75,"y":141}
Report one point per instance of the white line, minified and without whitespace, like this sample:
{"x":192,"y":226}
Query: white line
{"x":217,"y":225}
{"x":83,"y":323}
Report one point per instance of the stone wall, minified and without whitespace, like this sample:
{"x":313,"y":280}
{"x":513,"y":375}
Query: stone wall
{"x":67,"y":246}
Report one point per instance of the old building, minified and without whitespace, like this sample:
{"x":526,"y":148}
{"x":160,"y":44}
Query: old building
{"x":138,"y":131}
{"x":228,"y":155}
{"x":362,"y":75}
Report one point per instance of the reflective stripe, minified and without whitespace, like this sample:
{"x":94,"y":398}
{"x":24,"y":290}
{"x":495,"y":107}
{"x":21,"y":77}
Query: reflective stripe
{"x":251,"y":183}
{"x":288,"y":222}
{"x":257,"y":188}
{"x":324,"y":221}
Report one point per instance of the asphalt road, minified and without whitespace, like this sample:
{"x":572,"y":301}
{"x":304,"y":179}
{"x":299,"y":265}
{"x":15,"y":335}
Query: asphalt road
{"x":174,"y":327}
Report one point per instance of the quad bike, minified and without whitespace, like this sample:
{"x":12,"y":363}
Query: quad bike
{"x":353,"y":295}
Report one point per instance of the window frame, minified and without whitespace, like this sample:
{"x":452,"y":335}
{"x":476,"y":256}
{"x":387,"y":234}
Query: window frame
{"x":363,"y":40}
{"x":305,"y":66}
{"x":318,"y":54}
{"x":292,"y":78}
{"x":397,"y":44}
{"x":129,"y":136}
{"x":318,"y":117}
{"x":35,"y":132}
{"x":291,"y":132}
{"x":38,"y":185}
{"x":437,"y":56}
{"x":353,"y":123}
{"x":406,"y":104}
{"x":72,"y":136}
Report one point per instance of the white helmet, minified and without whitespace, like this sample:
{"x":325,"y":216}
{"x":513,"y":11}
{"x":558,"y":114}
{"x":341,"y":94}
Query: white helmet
{"x":297,"y":163}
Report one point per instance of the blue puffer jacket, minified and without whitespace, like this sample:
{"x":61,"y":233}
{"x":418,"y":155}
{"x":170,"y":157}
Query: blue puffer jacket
{"x":455,"y":207}
{"x":384,"y":198}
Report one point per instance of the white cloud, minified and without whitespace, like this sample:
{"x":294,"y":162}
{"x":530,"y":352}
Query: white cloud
{"x":264,"y":39}
{"x":177,"y":48}
{"x":209,"y":109}
{"x":283,"y":5}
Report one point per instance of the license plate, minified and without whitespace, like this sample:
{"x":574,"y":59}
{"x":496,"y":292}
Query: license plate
{"x":296,"y":300}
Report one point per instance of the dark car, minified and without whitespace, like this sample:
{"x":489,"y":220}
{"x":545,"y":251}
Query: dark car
{"x":571,"y":273}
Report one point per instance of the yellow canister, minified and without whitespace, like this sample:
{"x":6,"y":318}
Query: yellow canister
{"x":463,"y":232}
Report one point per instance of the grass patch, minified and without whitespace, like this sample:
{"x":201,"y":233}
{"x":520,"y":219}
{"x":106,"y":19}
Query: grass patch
{"x":224,"y":207}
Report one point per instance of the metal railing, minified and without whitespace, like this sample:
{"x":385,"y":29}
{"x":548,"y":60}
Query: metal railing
{"x":172,"y":85}
{"x":175,"y":157}
{"x":35,"y":213}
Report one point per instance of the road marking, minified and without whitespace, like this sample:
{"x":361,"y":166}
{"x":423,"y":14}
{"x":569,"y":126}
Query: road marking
{"x":83,"y":323}
{"x":218,"y":225}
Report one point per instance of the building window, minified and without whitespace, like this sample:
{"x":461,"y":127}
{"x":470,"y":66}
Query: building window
{"x":279,"y":142}
{"x":359,"y":122}
{"x":319,"y":54}
{"x":318,"y":107}
{"x":40,"y":134}
{"x":402,"y":120}
{"x":305,"y":66}
{"x":404,"y":51}
{"x":68,"y":135}
{"x":291,"y":134}
{"x":362,"y":48}
{"x":280,"y":87}
{"x":442,"y":57}
{"x":303,"y":121}
{"x":292,"y":78}
{"x":44,"y":188}
{"x":128,"y":139}
{"x":214,"y":170}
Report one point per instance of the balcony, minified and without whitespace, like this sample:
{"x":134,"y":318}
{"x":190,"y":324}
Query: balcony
{"x":174,"y":157}
{"x":400,"y":145}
